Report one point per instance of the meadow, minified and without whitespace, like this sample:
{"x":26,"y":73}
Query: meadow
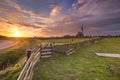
{"x":84,"y":64}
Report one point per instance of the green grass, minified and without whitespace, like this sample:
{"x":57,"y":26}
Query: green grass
{"x":83,"y":65}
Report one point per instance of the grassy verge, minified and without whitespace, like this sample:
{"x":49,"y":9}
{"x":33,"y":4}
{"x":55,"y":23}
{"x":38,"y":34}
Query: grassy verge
{"x":13,"y":59}
{"x":83,"y":65}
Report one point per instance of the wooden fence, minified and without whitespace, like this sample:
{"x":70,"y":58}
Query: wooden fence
{"x":27,"y":72}
{"x":75,"y":46}
{"x":44,"y":52}
{"x":37,"y":53}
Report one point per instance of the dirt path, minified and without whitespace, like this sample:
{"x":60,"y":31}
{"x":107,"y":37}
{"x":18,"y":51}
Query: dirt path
{"x":108,"y":55}
{"x":6,"y":44}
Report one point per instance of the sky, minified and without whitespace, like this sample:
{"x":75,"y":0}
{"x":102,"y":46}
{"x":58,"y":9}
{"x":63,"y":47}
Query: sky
{"x":46,"y":18}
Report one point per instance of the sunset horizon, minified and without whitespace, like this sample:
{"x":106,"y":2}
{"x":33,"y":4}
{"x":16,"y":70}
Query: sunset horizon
{"x":59,"y":39}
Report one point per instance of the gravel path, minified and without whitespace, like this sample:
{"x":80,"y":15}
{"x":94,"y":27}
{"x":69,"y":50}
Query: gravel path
{"x":108,"y":55}
{"x":6,"y":44}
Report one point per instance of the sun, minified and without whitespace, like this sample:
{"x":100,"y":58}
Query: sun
{"x":17,"y":35}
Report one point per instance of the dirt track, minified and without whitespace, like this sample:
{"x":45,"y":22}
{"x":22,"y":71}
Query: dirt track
{"x":6,"y":44}
{"x":108,"y":55}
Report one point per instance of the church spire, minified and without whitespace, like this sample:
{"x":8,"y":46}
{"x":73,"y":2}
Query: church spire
{"x":80,"y":34}
{"x":82,"y":28}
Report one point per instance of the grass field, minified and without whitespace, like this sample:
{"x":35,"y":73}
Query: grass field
{"x":83,"y":65}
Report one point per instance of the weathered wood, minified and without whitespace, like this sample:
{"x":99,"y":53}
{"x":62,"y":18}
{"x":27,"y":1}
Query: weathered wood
{"x":46,"y":53}
{"x":45,"y":56}
{"x":45,"y":50}
{"x":70,"y":51}
{"x":27,"y":69}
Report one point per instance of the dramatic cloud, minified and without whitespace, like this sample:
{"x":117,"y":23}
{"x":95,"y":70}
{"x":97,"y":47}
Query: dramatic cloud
{"x":58,"y":18}
{"x":56,"y":10}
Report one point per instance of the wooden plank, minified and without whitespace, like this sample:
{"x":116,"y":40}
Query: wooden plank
{"x":46,"y":53}
{"x":70,"y":53}
{"x":69,"y":50}
{"x":44,"y":50}
{"x":46,"y":56}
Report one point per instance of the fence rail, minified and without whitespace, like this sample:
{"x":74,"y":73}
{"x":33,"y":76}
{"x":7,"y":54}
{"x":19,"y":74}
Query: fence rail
{"x":37,"y":53}
{"x":27,"y":72}
{"x":69,"y":51}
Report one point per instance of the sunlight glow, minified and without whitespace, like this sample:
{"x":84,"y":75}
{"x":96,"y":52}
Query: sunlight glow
{"x":17,"y":34}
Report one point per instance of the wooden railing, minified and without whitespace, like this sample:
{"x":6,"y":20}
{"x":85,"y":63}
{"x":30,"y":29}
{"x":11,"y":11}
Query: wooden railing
{"x":27,"y":72}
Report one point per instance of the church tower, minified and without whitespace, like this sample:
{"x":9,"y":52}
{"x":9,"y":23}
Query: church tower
{"x":81,"y":32}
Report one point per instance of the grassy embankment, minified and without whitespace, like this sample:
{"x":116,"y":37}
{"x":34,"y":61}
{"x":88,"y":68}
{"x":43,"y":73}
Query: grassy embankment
{"x":83,"y":65}
{"x":63,"y":40}
{"x":14,"y":57}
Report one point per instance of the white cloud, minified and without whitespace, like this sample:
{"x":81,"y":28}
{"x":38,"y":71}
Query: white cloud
{"x":56,"y":11}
